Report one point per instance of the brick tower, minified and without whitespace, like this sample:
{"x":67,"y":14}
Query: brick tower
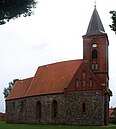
{"x":95,"y":52}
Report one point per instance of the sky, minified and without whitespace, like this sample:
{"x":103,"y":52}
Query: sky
{"x":52,"y":34}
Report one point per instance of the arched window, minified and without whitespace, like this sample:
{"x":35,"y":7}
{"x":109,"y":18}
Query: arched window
{"x":92,"y":66}
{"x":54,"y":109}
{"x":38,"y":109}
{"x":94,"y":54}
{"x":76,"y":83}
{"x":83,"y":108}
{"x":21,"y":106}
{"x":83,"y":74}
{"x":13,"y":104}
{"x":83,"y":83}
{"x":90,"y":82}
{"x":83,"y":78}
{"x":96,"y":66}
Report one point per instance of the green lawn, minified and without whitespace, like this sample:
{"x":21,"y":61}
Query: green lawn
{"x":4,"y":125}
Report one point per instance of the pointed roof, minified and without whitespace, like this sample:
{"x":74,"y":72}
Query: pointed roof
{"x":49,"y":79}
{"x":95,"y":24}
{"x":53,"y":78}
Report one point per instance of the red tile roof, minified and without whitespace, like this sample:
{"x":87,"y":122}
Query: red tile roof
{"x":51,"y":78}
{"x":20,"y":88}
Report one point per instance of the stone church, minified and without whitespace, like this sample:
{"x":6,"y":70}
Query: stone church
{"x":68,"y":92}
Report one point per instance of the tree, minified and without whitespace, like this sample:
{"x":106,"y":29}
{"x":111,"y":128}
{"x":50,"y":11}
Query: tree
{"x":7,"y":90}
{"x":110,"y":94}
{"x":11,"y":9}
{"x":113,"y":17}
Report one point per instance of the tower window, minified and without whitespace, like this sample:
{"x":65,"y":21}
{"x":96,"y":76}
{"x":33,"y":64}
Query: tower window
{"x":96,"y":66}
{"x":92,"y":66}
{"x":94,"y":54}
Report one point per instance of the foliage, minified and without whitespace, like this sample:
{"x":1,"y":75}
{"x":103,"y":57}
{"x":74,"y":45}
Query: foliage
{"x":7,"y":90}
{"x":110,"y":94}
{"x":11,"y":9}
{"x":113,"y":121}
{"x":113,"y":17}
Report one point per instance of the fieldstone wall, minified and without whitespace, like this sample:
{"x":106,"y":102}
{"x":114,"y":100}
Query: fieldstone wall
{"x":27,"y":114}
{"x":69,"y":109}
{"x":94,"y":108}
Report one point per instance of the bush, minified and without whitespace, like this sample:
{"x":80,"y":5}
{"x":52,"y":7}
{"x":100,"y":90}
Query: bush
{"x":113,"y":121}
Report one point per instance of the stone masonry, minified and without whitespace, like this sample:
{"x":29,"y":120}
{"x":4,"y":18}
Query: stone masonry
{"x":69,"y":109}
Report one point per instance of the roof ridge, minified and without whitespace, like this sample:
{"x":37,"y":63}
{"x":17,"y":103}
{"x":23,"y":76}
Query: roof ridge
{"x":60,"y":62}
{"x":25,"y":79}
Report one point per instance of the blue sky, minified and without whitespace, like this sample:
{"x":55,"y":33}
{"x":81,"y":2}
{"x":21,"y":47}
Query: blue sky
{"x":54,"y":33}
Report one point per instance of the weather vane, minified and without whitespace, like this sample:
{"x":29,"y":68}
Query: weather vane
{"x":95,"y":3}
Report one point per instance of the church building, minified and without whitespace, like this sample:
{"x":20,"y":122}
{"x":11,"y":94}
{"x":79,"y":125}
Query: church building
{"x":69,"y":92}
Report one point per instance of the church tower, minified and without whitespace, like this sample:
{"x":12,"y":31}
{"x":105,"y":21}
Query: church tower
{"x":95,"y":52}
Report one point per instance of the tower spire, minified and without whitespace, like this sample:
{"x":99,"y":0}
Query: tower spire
{"x":95,"y":24}
{"x":95,"y":3}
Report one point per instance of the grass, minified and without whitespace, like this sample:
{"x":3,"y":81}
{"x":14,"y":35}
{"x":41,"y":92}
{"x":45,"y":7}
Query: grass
{"x":4,"y":125}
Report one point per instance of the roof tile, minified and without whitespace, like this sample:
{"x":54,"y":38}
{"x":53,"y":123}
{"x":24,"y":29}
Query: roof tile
{"x":20,"y":88}
{"x":53,"y":78}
